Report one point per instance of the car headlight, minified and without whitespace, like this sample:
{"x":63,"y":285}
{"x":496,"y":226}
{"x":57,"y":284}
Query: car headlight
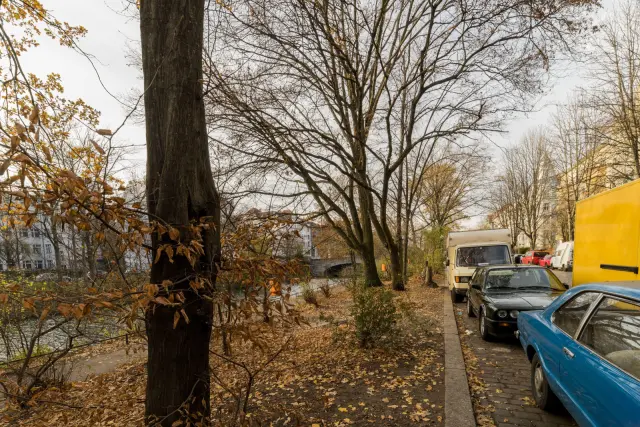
{"x":514,"y":314}
{"x":502,"y":314}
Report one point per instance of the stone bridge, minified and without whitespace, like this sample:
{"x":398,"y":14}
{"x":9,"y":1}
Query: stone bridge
{"x":331,"y":267}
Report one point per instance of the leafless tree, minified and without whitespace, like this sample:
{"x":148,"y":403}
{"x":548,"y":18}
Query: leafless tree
{"x":343,"y":89}
{"x":577,"y":145}
{"x":530,"y":182}
{"x":616,"y":92}
{"x":453,"y":185}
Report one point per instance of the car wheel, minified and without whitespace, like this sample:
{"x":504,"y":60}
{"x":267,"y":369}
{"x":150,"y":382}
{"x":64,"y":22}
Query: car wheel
{"x":542,"y":393}
{"x":470,"y":312}
{"x":482,"y":326}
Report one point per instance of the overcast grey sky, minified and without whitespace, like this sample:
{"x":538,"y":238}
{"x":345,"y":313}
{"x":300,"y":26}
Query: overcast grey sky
{"x":111,"y":33}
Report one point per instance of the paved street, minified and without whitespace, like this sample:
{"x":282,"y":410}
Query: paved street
{"x":505,"y":370}
{"x":564,"y":276}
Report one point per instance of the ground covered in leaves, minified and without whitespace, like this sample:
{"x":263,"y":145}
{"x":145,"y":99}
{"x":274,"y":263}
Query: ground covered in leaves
{"x":314,"y":375}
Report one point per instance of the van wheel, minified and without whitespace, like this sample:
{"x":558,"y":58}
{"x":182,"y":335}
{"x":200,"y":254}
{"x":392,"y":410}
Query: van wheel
{"x":542,"y":393}
{"x":455,"y":298}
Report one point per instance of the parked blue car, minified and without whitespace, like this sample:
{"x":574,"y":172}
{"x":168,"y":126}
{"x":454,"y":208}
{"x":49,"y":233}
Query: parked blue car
{"x":584,"y":350}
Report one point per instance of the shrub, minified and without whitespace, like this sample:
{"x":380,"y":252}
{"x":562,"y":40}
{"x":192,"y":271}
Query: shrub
{"x":326,"y":289}
{"x":374,"y":314}
{"x":308,"y":295}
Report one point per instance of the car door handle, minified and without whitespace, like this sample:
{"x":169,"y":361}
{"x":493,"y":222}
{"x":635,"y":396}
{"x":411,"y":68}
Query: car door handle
{"x":568,"y":352}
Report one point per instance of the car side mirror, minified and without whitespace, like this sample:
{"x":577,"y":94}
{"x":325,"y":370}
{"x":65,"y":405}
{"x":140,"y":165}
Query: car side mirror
{"x":446,"y":263}
{"x":565,"y":285}
{"x":476,"y":286}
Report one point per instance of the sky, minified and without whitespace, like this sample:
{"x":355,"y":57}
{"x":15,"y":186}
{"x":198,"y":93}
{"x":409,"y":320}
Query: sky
{"x":112,"y":33}
{"x":110,"y":36}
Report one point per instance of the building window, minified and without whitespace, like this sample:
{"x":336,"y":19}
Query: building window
{"x":39,"y":264}
{"x":47,"y":248}
{"x":545,"y":207}
{"x":49,"y":263}
{"x":26,"y":265}
{"x":37,"y":249}
{"x":35,"y":232}
{"x":24,"y":233}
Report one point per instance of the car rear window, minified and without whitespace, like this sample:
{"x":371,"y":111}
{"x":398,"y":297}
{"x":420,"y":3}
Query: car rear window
{"x":522,"y":278}
{"x":539,"y":254}
{"x":613,"y":332}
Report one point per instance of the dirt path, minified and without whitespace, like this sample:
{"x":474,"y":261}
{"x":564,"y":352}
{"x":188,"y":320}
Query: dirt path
{"x":103,"y":363}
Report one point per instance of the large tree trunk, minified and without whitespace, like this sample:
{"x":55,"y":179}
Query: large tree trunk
{"x":367,"y":250}
{"x":180,"y":191}
{"x":371,"y":276}
{"x":395,"y":258}
{"x":396,"y":251}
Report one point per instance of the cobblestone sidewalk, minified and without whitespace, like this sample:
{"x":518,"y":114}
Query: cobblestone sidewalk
{"x":504,"y":368}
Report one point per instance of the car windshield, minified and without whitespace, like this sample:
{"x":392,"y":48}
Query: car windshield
{"x":475,"y":256}
{"x":539,"y":254}
{"x":522,"y":278}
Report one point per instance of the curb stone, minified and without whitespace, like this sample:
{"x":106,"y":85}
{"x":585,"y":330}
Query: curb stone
{"x":458,"y":411}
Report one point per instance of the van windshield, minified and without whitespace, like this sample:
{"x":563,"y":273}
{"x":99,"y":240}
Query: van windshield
{"x":475,"y":256}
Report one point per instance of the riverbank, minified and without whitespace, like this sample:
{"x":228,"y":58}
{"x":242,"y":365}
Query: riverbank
{"x":320,"y":377}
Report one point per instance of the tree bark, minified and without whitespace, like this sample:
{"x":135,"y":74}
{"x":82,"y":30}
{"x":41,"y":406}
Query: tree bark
{"x":180,"y":191}
{"x":371,"y":277}
{"x":395,"y":259}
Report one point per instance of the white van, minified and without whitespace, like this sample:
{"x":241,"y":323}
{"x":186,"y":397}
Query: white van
{"x":467,"y":250}
{"x":562,"y":255}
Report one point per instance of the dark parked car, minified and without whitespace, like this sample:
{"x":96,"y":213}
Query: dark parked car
{"x":585,"y":353}
{"x":497,"y":294}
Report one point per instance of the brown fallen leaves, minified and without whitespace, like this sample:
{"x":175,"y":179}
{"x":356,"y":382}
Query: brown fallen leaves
{"x":477,"y":386}
{"x":321,"y":378}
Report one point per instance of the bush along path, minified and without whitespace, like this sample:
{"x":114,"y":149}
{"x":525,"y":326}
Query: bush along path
{"x":321,"y":377}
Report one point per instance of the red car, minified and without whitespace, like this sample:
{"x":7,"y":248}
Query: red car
{"x":546,"y":261}
{"x":534,"y":257}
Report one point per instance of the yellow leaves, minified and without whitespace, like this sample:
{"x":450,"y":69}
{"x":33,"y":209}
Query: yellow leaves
{"x":34,"y":117}
{"x":44,"y":313}
{"x":163,"y":301}
{"x":174,"y":234}
{"x":5,"y":166}
{"x":342,"y":409}
{"x":184,"y":314}
{"x":176,"y":319}
{"x":98,"y":148}
{"x":29,"y":304}
{"x":47,"y":153}
{"x":104,"y":132}
{"x":23,"y":158}
{"x":4,"y":298}
{"x":64,"y":309}
{"x":15,"y":142}
{"x":177,"y":423}
{"x":20,"y":129}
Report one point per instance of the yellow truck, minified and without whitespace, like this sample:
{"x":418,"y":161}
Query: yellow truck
{"x":607,"y":236}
